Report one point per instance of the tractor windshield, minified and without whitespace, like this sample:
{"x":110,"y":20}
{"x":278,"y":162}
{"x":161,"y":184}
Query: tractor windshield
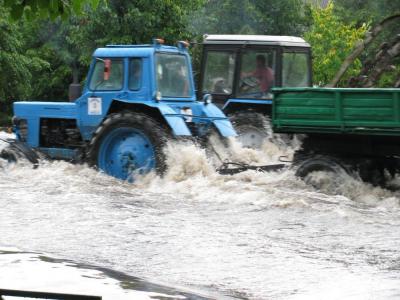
{"x":172,"y":72}
{"x":295,"y":69}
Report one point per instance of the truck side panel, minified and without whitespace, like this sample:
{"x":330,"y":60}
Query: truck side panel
{"x":364,"y":111}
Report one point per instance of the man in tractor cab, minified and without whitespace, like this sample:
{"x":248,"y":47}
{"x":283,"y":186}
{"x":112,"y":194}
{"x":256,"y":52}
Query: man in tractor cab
{"x":262,"y":76}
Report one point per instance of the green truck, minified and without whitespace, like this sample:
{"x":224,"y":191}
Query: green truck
{"x":356,"y":131}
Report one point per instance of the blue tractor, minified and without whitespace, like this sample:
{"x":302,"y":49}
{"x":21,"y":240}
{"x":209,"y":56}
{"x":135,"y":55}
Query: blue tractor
{"x":136,"y":98}
{"x":239,"y":72}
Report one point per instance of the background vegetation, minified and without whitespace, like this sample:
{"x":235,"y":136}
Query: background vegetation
{"x":47,"y":44}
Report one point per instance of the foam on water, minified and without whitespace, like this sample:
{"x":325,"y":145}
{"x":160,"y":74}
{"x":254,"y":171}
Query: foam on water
{"x":191,"y":171}
{"x":255,"y":235}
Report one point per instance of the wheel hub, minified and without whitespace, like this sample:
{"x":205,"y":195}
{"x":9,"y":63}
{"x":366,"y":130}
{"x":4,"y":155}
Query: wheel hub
{"x":125,"y":151}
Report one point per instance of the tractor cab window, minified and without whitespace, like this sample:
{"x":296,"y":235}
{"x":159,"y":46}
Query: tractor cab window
{"x":173,"y":76}
{"x":257,"y":74}
{"x":295,"y":69}
{"x":115,"y":80}
{"x":219,"y":72}
{"x":135,"y":74}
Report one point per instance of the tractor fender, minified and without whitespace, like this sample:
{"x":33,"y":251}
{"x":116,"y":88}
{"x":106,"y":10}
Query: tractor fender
{"x":175,"y":122}
{"x":162,"y":110}
{"x":219,"y":119}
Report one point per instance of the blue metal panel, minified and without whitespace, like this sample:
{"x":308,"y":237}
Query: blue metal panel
{"x":232,"y":102}
{"x":133,"y":51}
{"x":60,"y":153}
{"x":46,"y":109}
{"x":34,"y":111}
{"x":33,"y":131}
{"x":174,"y":120}
{"x":219,"y":120}
{"x":225,"y":128}
{"x":124,"y":52}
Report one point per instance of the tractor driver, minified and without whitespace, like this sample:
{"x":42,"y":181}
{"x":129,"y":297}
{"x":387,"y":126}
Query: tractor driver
{"x":263,"y":74}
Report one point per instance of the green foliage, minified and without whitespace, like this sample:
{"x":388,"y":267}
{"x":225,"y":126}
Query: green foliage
{"x":373,"y":12}
{"x":128,"y":22}
{"x":16,"y":64}
{"x":388,"y":79}
{"x":250,"y":17}
{"x":46,"y":8}
{"x":332,"y":41}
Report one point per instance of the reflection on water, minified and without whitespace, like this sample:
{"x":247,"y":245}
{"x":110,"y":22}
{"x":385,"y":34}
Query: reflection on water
{"x":251,"y":235}
{"x":33,"y":272}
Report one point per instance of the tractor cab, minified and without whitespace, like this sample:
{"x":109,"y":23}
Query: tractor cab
{"x":244,"y":68}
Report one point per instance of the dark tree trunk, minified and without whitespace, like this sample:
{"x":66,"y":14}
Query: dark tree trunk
{"x":370,"y":36}
{"x":382,"y":62}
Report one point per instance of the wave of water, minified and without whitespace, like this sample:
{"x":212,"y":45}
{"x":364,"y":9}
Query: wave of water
{"x":252,"y":235}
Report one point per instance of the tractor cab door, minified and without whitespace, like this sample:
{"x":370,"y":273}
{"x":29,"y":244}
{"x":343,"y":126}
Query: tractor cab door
{"x":105,"y":83}
{"x":218,"y":73}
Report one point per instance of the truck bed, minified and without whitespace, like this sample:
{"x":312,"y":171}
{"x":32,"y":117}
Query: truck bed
{"x":336,"y":110}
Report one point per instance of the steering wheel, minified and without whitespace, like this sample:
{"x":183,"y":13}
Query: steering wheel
{"x":249,"y":81}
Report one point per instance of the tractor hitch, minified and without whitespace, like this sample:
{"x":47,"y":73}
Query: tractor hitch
{"x":231,"y":168}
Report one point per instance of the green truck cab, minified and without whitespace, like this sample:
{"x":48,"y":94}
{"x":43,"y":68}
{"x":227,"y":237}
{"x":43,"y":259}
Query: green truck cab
{"x":352,"y":130}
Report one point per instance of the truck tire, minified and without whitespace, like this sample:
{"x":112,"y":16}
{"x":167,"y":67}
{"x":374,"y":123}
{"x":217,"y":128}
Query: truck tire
{"x":127,"y":144}
{"x":253,"y":128}
{"x":320,"y":163}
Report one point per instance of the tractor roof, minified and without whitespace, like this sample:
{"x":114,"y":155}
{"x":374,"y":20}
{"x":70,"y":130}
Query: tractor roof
{"x":133,"y":50}
{"x":239,"y":39}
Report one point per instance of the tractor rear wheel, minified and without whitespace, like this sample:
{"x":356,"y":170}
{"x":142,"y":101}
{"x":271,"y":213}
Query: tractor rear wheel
{"x":253,"y":128}
{"x":127,"y":144}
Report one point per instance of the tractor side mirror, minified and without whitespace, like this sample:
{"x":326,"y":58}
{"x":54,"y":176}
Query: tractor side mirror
{"x":207,"y":98}
{"x":107,"y":69}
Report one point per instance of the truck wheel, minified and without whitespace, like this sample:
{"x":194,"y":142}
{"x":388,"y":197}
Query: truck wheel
{"x":128,"y":143}
{"x":252,"y":128}
{"x":329,"y":165}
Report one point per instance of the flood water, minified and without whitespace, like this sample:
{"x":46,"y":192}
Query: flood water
{"x":251,"y":235}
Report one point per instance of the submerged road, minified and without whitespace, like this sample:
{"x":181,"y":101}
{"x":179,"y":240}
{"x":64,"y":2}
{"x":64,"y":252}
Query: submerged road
{"x":251,"y":235}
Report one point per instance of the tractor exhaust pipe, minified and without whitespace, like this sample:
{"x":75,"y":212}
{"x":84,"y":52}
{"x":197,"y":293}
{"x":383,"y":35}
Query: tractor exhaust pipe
{"x":74,"y":91}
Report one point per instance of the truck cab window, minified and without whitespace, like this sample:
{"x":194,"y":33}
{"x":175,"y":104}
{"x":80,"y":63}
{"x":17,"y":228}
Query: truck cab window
{"x":219,"y":72}
{"x":257,"y":74}
{"x":295,"y":69}
{"x":115,"y":81}
{"x":135,"y":74}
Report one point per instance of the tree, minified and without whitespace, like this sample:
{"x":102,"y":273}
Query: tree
{"x":373,"y":12}
{"x":332,"y":41}
{"x":46,"y":8}
{"x":67,"y":45}
{"x":250,"y":17}
{"x":16,"y":65}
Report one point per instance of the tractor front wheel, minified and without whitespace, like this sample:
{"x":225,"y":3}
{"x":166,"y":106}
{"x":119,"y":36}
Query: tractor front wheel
{"x":127,"y":144}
